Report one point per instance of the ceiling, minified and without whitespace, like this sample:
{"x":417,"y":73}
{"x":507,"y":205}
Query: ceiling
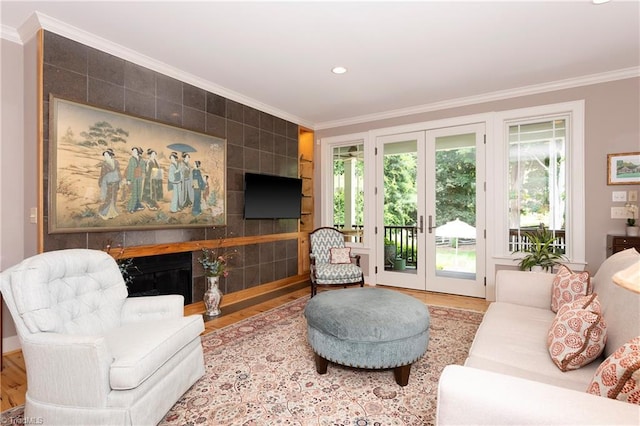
{"x":401,"y":57}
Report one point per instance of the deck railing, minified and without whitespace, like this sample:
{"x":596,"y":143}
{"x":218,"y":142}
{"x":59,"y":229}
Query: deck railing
{"x":404,"y":238}
{"x":518,"y":240}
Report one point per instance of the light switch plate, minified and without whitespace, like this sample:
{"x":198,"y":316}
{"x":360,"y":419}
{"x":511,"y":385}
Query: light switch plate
{"x":619,"y":196}
{"x":619,"y":213}
{"x":33,"y":215}
{"x":633,"y":195}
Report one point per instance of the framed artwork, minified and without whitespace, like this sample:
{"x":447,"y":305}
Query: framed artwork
{"x":112,"y":171}
{"x":623,"y":169}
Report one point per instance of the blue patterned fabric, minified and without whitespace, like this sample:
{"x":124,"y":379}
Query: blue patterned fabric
{"x":322,"y":241}
{"x":338,"y":273}
{"x":324,"y":272}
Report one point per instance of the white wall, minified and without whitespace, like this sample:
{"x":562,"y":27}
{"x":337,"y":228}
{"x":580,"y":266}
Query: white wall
{"x":11,"y":168}
{"x":18,"y":162}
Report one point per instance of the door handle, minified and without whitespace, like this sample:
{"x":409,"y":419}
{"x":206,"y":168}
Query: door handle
{"x":431,"y":224}
{"x":421,"y":227}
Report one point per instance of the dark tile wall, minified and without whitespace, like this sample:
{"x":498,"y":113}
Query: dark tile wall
{"x":256,"y":142}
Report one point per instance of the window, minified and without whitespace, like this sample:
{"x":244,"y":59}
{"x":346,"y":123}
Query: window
{"x":538,"y":179}
{"x":348,"y":190}
{"x":537,"y":184}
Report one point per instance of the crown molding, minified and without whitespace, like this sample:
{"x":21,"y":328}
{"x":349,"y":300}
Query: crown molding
{"x":10,"y":34}
{"x":40,"y":20}
{"x":29,"y":28}
{"x":487,"y":97}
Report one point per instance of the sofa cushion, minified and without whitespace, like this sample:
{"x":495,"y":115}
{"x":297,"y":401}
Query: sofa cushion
{"x":618,"y":377}
{"x":139,"y":349}
{"x":572,"y":379}
{"x":576,"y":337}
{"x":339,"y":273}
{"x":512,"y":338}
{"x":568,"y":286}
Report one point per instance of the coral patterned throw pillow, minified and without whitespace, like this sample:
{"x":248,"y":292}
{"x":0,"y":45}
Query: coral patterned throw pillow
{"x":568,"y":286}
{"x":576,"y":337}
{"x":340,"y":255}
{"x":618,"y":377}
{"x":590,"y":302}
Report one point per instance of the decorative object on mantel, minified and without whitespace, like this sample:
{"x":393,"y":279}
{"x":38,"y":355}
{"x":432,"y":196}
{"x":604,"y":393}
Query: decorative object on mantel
{"x":212,"y":297}
{"x":541,"y":251}
{"x":632,"y":229}
{"x":215,"y":262}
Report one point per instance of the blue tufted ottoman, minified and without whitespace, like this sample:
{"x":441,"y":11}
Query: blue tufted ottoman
{"x":367,"y":328}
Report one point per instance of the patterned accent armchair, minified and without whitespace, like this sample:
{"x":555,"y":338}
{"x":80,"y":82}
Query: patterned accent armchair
{"x":328,"y":263}
{"x":93,"y":355}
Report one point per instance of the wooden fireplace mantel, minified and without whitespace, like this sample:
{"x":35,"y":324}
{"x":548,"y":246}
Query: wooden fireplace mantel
{"x":167,"y":248}
{"x":189,"y":246}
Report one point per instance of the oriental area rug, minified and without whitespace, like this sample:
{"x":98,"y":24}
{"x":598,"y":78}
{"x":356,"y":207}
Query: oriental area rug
{"x":261,"y":371}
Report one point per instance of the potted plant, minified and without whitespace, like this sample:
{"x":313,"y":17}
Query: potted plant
{"x":389,"y":252}
{"x":541,"y":252}
{"x":400,"y":264}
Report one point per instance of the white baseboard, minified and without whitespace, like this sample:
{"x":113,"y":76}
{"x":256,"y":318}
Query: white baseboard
{"x":10,"y":344}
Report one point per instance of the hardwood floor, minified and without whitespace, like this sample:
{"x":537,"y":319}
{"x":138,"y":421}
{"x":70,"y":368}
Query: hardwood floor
{"x":14,"y":379}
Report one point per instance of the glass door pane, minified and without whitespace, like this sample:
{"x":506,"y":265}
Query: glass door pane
{"x":455,"y":205}
{"x":348,"y":190}
{"x":455,"y":181}
{"x":399,"y":204}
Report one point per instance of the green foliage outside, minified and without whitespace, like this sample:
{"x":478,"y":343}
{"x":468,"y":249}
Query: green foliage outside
{"x":455,"y":188}
{"x":456,"y":185}
{"x":400,"y":192}
{"x":338,"y":194}
{"x":448,"y":259}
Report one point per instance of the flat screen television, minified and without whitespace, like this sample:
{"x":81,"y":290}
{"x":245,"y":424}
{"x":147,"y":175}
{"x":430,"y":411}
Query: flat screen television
{"x":271,"y":197}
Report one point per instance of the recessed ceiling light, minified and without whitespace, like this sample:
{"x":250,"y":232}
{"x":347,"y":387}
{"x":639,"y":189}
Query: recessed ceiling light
{"x":339,"y":70}
{"x":600,"y":1}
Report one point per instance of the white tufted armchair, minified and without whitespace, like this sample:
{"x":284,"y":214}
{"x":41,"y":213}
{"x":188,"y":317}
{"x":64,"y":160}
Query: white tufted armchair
{"x":94,"y":356}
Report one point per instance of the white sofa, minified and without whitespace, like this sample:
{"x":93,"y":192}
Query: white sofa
{"x":93,"y":355}
{"x":509,"y":377}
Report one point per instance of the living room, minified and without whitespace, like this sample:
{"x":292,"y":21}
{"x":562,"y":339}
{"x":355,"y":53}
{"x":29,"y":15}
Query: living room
{"x":610,"y":126}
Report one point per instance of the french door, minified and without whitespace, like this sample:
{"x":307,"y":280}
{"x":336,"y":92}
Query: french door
{"x":430,"y":210}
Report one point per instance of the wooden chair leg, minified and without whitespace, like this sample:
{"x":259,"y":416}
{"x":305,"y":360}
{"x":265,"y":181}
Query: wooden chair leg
{"x":321,"y":364}
{"x":401,"y":374}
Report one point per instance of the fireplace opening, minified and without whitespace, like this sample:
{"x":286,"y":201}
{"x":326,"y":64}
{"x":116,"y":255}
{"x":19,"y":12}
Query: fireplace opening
{"x":162,"y":274}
